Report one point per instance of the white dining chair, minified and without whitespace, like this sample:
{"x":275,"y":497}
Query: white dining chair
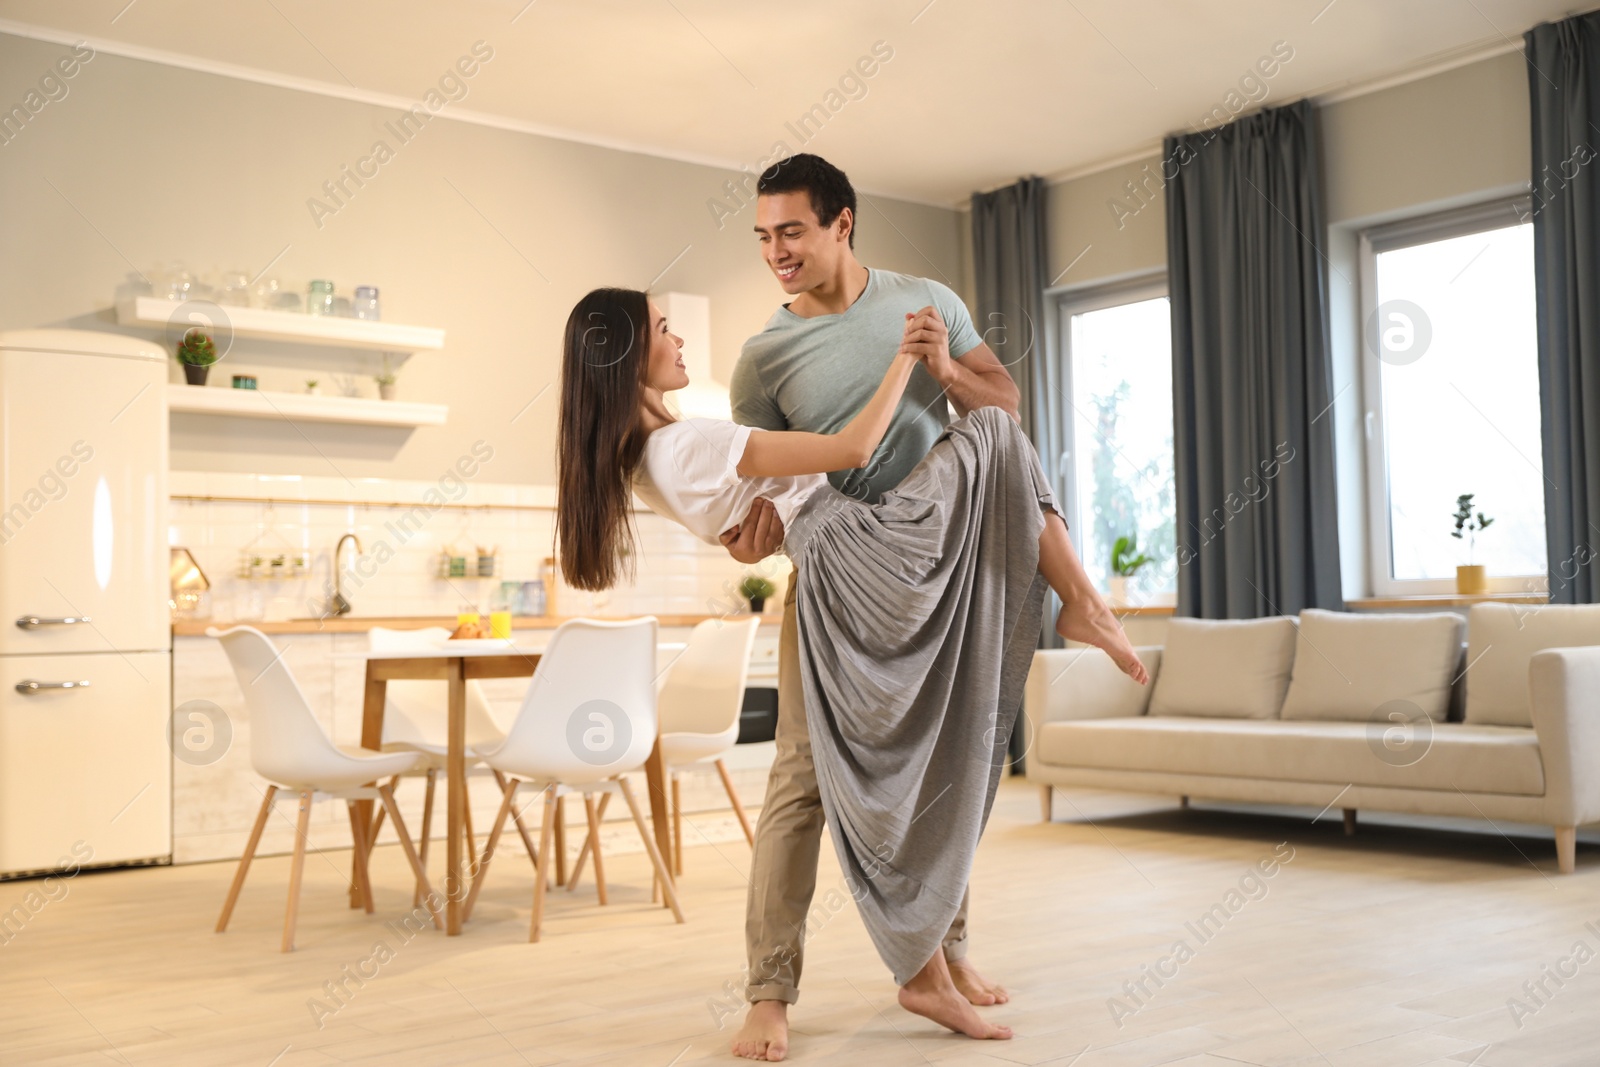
{"x":289,"y":748}
{"x":416,"y":718}
{"x":588,"y":720}
{"x":701,"y":695}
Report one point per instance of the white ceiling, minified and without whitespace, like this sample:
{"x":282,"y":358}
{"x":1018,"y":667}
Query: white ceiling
{"x":977,"y":93}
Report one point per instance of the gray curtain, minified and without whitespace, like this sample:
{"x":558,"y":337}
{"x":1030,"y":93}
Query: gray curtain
{"x":1564,"y":87}
{"x":1008,"y":246}
{"x":1008,"y":251}
{"x":1251,"y":380}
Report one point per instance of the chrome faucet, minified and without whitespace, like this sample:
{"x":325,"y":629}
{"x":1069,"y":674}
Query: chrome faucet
{"x":338,"y":605}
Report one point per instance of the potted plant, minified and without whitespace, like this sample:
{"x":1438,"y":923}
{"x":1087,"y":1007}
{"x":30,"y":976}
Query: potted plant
{"x":312,"y":388}
{"x":756,"y":589}
{"x":196,"y":352}
{"x":1470,"y":579}
{"x":385,"y":380}
{"x":1126,"y":559}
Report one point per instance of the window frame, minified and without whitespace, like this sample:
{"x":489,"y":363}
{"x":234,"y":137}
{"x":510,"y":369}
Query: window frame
{"x":1061,"y":303}
{"x":1374,"y":240}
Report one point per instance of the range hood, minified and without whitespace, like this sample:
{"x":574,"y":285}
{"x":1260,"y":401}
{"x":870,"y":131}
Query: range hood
{"x":689,"y":316}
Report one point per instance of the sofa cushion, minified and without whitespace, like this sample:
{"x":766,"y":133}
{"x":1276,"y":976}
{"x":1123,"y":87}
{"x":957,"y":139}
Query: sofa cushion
{"x":1444,"y":757}
{"x":1235,"y":669}
{"x":1349,"y":666}
{"x":1502,"y":638}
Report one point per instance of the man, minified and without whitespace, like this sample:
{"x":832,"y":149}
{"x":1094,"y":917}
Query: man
{"x":812,"y":368}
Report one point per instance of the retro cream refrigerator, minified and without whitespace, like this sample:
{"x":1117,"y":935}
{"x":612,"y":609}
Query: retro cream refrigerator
{"x":85,"y":635}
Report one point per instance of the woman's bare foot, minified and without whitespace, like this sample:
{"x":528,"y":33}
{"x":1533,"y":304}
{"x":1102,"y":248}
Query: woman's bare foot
{"x":1087,"y":619}
{"x":974,"y":986}
{"x":933,"y":995}
{"x":765,"y":1033}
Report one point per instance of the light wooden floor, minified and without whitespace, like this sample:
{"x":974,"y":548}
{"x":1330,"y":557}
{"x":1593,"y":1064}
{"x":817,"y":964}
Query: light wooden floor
{"x":1400,"y":946}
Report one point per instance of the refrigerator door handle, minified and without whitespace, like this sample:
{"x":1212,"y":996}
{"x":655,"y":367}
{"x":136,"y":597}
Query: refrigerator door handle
{"x":33,"y":622}
{"x":29,"y":687}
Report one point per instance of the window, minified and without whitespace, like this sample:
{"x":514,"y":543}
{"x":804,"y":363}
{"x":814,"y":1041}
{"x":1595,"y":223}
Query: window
{"x":1452,"y":399}
{"x":1117,"y":348}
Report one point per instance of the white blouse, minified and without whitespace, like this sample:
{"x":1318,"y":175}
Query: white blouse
{"x":690,"y":473}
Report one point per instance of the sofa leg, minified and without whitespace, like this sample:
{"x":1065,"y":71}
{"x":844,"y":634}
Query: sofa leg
{"x":1046,"y":795}
{"x":1183,"y":801}
{"x":1349,"y":822}
{"x":1567,"y":848}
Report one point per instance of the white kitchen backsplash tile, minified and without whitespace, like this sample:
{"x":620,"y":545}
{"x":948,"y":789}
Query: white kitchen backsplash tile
{"x":224,"y":517}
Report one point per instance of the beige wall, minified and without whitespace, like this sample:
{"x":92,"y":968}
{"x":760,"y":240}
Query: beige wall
{"x":1451,"y":138}
{"x":491,"y":234}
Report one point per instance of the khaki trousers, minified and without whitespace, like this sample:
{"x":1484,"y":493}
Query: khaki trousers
{"x":783,"y":869}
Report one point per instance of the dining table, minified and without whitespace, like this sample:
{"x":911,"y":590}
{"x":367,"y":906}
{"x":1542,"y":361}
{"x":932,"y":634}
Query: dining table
{"x":458,"y":662}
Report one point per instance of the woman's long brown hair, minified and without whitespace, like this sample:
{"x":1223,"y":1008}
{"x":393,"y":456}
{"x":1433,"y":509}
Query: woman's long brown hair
{"x":599,"y":440}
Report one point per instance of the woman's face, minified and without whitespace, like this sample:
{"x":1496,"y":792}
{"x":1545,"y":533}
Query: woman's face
{"x":665,"y":370}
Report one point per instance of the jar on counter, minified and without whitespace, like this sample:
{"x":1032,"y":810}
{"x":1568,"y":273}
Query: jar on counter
{"x":319,"y":298}
{"x":365,"y":305}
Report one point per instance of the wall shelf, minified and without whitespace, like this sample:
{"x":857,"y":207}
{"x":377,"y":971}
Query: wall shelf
{"x":254,"y":404}
{"x":292,"y":327}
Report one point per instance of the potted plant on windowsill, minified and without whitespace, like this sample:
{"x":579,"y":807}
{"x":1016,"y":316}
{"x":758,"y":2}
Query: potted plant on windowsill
{"x":197,"y":353}
{"x":756,"y":589}
{"x":1126,"y":559}
{"x":1471,"y":579}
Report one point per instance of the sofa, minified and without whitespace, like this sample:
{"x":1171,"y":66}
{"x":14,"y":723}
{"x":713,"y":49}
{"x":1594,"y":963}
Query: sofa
{"x":1388,"y":712}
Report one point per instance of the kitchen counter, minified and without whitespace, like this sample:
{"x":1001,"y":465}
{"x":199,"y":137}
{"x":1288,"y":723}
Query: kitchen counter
{"x":360,"y":624}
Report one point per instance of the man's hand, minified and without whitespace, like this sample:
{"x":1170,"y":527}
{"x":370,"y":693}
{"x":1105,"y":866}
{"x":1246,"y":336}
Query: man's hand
{"x":758,"y":536}
{"x":928,"y":339}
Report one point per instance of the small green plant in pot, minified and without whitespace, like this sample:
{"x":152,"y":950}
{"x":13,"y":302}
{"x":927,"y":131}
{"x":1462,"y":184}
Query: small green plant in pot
{"x":1470,"y":521}
{"x":385,"y":380}
{"x":1126,"y":560}
{"x":196,"y":352}
{"x":756,"y":589}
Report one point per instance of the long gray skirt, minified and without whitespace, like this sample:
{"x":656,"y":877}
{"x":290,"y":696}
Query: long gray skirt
{"x":918,"y":617}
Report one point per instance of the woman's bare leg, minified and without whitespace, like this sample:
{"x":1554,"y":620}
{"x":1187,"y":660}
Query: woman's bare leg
{"x":1084,"y":616}
{"x":933,"y":995}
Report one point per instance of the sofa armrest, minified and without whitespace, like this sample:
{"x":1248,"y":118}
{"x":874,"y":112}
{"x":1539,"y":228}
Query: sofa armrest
{"x":1564,"y":694}
{"x":1082,"y":683}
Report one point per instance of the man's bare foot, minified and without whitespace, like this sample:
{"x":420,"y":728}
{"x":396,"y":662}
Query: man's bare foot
{"x":974,"y":986}
{"x":932,"y":995}
{"x":765,"y":1033}
{"x":1092,"y":623}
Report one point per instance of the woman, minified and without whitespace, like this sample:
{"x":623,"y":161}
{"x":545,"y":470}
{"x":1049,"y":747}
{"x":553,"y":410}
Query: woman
{"x":917,"y":615}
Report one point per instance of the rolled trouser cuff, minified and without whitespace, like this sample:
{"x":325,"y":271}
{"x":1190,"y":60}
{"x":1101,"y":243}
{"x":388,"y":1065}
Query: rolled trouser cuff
{"x":771,"y":991}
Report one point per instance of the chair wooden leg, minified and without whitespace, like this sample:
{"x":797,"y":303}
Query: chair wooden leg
{"x":360,"y":849}
{"x":377,"y":820}
{"x":466,"y":815}
{"x":650,"y":847}
{"x":677,"y":827}
{"x":1567,"y":848}
{"x":1349,"y":822}
{"x":594,"y":843}
{"x":588,"y":844}
{"x":522,"y":828}
{"x":507,"y":798}
{"x":1046,"y":795}
{"x":561,"y":840}
{"x":428,"y":895}
{"x":546,"y":825}
{"x":733,"y":798}
{"x":296,"y":869}
{"x":244,"y":861}
{"x":427,"y":828}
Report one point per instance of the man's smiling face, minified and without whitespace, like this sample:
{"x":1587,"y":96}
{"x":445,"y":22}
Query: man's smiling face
{"x":802,"y":252}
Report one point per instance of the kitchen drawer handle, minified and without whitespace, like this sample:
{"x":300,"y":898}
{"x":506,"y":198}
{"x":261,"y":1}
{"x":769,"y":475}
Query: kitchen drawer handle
{"x":30,"y":686}
{"x":33,"y":622}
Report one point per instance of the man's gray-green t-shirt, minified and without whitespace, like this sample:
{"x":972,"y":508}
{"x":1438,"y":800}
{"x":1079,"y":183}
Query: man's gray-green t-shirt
{"x":816,"y":374}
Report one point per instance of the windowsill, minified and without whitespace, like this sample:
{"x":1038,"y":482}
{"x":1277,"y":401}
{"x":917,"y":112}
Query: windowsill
{"x":1143,"y":610}
{"x":1443,"y":600}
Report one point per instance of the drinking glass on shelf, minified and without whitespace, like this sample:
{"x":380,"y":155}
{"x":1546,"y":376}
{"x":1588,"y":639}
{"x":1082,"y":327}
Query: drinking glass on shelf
{"x":235,"y":291}
{"x":365,"y":304}
{"x":319,"y":297}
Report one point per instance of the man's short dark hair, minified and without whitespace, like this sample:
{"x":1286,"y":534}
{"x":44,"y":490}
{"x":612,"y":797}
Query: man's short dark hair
{"x":830,"y":191}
